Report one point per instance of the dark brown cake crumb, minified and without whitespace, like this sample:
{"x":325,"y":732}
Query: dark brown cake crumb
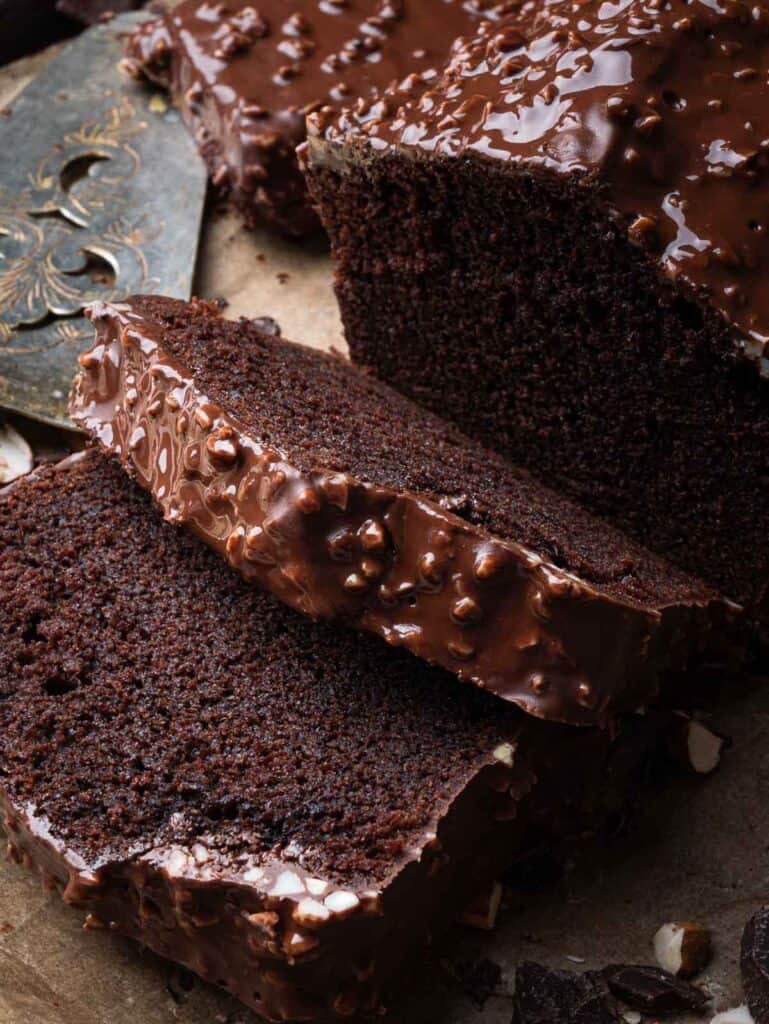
{"x":322,"y":411}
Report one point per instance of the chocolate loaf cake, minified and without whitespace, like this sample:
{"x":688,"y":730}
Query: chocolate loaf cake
{"x":245,"y":77}
{"x":562,"y":244}
{"x":349,"y":502}
{"x":284,"y":807}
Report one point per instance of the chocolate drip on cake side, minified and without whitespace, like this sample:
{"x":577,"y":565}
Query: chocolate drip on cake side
{"x":395,"y":563}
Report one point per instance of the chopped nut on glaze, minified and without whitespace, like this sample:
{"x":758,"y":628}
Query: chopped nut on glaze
{"x":342,"y":903}
{"x":222,"y":448}
{"x":373,"y":536}
{"x":356,"y":582}
{"x":431,"y":569}
{"x":487,"y":565}
{"x":307,"y":501}
{"x":466,"y":611}
{"x":466,"y":578}
{"x":310,"y":913}
{"x":461,"y":650}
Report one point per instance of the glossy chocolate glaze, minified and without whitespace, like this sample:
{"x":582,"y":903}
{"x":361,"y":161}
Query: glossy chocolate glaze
{"x":246,"y":75}
{"x":659,"y":105}
{"x":391,"y":562}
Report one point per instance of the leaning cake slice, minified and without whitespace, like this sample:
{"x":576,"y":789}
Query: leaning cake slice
{"x":285,"y":807}
{"x":349,"y":502}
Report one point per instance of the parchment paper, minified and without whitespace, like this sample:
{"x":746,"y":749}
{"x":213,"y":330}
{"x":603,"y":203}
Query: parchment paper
{"x":699,"y":853}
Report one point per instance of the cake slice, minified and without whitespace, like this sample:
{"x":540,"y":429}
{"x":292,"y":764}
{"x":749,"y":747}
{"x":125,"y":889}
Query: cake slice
{"x":286,"y":808}
{"x":562,"y":244}
{"x":245,"y":76}
{"x":349,"y":502}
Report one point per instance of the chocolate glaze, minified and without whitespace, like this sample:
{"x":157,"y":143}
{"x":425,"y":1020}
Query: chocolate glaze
{"x":659,"y":103}
{"x":392,"y":562}
{"x":245,"y":76}
{"x":293,"y":934}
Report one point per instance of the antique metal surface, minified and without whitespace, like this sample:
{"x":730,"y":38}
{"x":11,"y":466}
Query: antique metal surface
{"x":101,"y":195}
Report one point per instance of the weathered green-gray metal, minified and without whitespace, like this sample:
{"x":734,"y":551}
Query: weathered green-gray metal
{"x":101,"y":194}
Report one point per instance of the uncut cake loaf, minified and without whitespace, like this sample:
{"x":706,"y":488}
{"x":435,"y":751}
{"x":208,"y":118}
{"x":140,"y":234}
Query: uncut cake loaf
{"x":245,"y":75}
{"x":349,"y":502}
{"x":190,"y":763}
{"x":561,"y":242}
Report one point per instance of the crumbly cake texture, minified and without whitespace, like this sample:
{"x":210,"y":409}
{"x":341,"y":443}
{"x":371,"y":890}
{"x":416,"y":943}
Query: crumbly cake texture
{"x":561,"y":242}
{"x":188,"y":761}
{"x":245,"y":76}
{"x":349,"y":502}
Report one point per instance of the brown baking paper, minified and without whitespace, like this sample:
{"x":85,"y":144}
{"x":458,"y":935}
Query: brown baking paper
{"x":699,"y":853}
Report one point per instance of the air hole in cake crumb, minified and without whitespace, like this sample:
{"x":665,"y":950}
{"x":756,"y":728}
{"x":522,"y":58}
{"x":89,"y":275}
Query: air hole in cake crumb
{"x":31,"y":634}
{"x":57,"y":686}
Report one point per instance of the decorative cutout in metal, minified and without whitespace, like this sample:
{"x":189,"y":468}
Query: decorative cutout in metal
{"x":101,"y":194}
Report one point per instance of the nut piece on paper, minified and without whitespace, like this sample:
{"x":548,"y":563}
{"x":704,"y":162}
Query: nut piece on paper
{"x":682,"y":948}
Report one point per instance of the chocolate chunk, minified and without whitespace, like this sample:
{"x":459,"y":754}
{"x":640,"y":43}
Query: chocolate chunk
{"x":547,"y":996}
{"x":652,"y":990}
{"x":754,"y":964}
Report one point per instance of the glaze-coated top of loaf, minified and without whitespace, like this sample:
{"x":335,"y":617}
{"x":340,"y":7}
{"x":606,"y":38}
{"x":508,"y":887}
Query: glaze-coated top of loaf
{"x":661,"y":103}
